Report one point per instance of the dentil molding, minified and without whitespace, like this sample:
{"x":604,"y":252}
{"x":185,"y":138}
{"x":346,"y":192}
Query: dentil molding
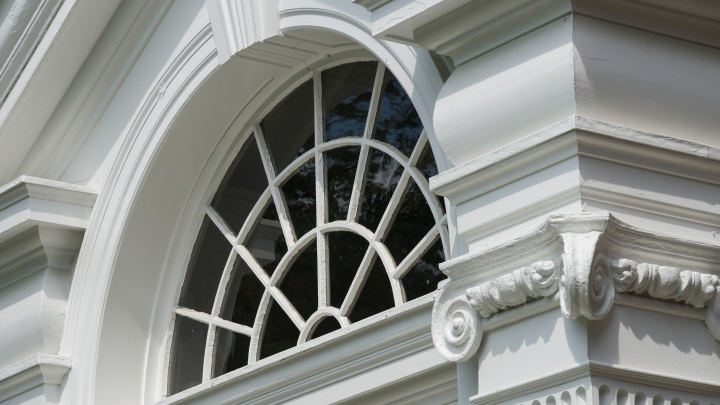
{"x":577,"y":261}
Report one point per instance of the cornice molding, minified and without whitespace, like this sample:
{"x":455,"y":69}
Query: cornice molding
{"x":20,"y":33}
{"x":31,"y":372}
{"x":580,"y":261}
{"x":580,"y":142}
{"x":42,"y":223}
{"x":30,"y":201}
{"x":578,"y":135}
{"x":463,"y":29}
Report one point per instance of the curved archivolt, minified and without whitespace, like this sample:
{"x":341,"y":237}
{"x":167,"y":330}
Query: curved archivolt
{"x":324,"y":219}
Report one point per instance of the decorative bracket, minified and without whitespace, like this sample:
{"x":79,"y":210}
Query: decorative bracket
{"x":572,"y":254}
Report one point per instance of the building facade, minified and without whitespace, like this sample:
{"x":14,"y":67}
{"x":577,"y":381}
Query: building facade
{"x":360,"y":202}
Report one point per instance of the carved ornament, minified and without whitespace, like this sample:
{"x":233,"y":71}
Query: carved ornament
{"x":578,"y":260}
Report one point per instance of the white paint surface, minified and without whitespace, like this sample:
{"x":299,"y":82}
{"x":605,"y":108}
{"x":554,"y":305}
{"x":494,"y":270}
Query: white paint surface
{"x":507,"y":93}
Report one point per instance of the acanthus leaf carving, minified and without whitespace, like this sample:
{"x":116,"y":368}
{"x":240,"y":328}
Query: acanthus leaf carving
{"x":664,"y":282}
{"x":536,"y":281}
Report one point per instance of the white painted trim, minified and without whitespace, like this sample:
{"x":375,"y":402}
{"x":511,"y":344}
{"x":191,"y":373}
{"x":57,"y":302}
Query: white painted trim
{"x":195,"y":64}
{"x":32,"y":372}
{"x":582,"y":256}
{"x":647,"y":143}
{"x":364,"y":348}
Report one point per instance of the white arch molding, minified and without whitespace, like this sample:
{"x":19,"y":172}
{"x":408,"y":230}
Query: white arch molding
{"x":183,"y":134}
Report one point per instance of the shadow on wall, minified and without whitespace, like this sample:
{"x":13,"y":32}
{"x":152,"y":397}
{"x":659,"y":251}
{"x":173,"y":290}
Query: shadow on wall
{"x":615,"y":338}
{"x":539,"y":330}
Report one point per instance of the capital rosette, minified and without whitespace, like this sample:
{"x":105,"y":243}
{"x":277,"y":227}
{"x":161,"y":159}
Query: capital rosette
{"x":456,"y":329}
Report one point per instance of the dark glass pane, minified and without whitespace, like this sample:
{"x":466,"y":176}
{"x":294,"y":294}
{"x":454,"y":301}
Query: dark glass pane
{"x":412,"y":222}
{"x":231,"y":351}
{"x":289,"y":128}
{"x":380,"y":181}
{"x":341,"y":164}
{"x":271,"y":212}
{"x":426,"y":164}
{"x":242,"y":186}
{"x":326,"y":325}
{"x":300,"y":282}
{"x":346,"y":98}
{"x":300,"y":198}
{"x":346,"y":252}
{"x":243,"y":295}
{"x":398,"y":123}
{"x":424,"y":277}
{"x":188,"y":352}
{"x":280,"y":332}
{"x":206,"y":266}
{"x":267,"y":242}
{"x":428,"y":167}
{"x":375,"y":296}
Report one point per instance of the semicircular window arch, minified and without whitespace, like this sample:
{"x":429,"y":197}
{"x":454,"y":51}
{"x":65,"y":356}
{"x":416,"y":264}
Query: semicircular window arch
{"x":325,"y":218}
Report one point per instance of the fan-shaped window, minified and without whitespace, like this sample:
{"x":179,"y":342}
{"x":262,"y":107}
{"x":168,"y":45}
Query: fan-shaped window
{"x":324,"y":219}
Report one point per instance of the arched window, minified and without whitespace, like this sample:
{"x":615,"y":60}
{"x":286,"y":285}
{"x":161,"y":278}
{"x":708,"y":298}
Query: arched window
{"x":324,"y":219}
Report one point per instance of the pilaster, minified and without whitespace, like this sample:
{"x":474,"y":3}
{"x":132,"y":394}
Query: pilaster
{"x":42,"y":224}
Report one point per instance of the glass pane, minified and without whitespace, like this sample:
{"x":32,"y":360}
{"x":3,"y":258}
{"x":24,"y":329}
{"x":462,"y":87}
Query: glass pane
{"x":243,"y":295}
{"x":188,"y":352}
{"x":326,"y":325}
{"x":300,"y":282}
{"x":346,"y":98}
{"x":267,"y":242}
{"x":412,"y":222}
{"x":425,"y":275}
{"x":375,"y":296}
{"x":346,"y":252}
{"x":398,"y":123}
{"x":300,"y":198}
{"x":206,"y":266}
{"x":426,"y":164}
{"x":280,"y":332}
{"x":428,"y":167}
{"x":289,"y":128}
{"x":381,"y":179}
{"x":231,"y":351}
{"x":341,"y":164}
{"x":242,"y":186}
